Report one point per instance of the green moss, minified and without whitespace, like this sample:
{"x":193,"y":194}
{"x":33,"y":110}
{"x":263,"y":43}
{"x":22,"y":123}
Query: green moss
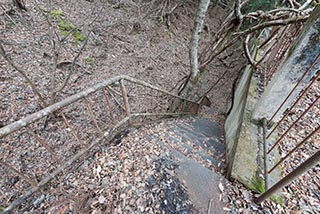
{"x":258,"y":185}
{"x":78,"y":36}
{"x":277,"y":199}
{"x":57,"y":14}
{"x":66,"y":27}
{"x":90,"y":60}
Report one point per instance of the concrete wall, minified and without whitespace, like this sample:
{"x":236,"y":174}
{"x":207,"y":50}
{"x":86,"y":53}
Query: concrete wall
{"x":234,"y":120}
{"x":302,"y":54}
{"x":242,"y":128}
{"x":242,"y":135}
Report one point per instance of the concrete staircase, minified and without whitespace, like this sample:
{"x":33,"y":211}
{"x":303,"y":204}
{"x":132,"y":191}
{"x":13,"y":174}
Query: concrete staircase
{"x":197,"y":147}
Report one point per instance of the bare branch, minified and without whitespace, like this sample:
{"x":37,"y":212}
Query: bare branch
{"x":23,"y":73}
{"x":247,"y":52}
{"x":272,"y":23}
{"x":237,"y":11}
{"x":16,"y":172}
{"x":66,"y":80}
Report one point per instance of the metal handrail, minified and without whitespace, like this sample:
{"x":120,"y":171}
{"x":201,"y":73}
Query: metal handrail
{"x":304,"y":167}
{"x":105,"y":135}
{"x":4,"y":131}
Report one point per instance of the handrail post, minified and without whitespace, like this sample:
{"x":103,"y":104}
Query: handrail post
{"x":265,"y":153}
{"x":125,"y":98}
{"x":305,"y":166}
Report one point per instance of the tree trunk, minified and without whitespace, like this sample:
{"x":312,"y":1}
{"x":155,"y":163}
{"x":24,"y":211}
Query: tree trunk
{"x":203,"y":7}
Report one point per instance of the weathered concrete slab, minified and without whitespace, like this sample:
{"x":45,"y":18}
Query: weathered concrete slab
{"x":304,"y":52}
{"x":243,"y":137}
{"x":207,"y":127}
{"x":234,"y":120}
{"x":201,"y":183}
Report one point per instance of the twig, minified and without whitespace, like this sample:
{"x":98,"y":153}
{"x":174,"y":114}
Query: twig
{"x":106,"y":98}
{"x":216,"y":83}
{"x":270,"y":38}
{"x":23,"y":73}
{"x":72,"y":129}
{"x":210,"y":203}
{"x":73,"y":66}
{"x":9,"y":17}
{"x":115,"y":91}
{"x":116,"y":100}
{"x":272,"y":23}
{"x":5,"y":11}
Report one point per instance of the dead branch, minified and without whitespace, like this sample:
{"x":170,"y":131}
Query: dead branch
{"x":66,"y":80}
{"x":110,"y":110}
{"x":220,"y":49}
{"x":107,"y":137}
{"x":115,"y":99}
{"x":247,"y":52}
{"x":23,"y":73}
{"x":270,"y":38}
{"x":261,"y":26}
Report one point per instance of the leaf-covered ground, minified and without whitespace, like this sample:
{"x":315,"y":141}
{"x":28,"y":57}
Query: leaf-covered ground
{"x":134,"y":175}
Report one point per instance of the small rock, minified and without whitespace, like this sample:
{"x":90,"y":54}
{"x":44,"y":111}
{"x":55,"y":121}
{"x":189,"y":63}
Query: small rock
{"x":246,"y":195}
{"x":105,"y":182}
{"x":150,"y":181}
{"x":102,"y":199}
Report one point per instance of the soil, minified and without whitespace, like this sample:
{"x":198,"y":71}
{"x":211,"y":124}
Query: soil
{"x":138,"y":38}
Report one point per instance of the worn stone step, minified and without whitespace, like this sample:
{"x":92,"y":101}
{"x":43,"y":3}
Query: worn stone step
{"x":201,"y":183}
{"x":206,"y":141}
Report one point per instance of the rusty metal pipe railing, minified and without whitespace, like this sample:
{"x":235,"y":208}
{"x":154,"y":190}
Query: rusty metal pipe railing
{"x":295,"y":148}
{"x":305,"y":166}
{"x":282,"y":50}
{"x":50,"y":109}
{"x":293,"y":124}
{"x":105,"y":134}
{"x":296,"y":101}
{"x":294,"y":88}
{"x":4,"y":131}
{"x":265,"y":149}
{"x":125,"y":98}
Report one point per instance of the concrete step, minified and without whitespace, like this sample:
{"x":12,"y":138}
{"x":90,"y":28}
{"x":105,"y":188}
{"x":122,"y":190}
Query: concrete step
{"x":200,"y":137}
{"x":202,"y":184}
{"x":196,"y":148}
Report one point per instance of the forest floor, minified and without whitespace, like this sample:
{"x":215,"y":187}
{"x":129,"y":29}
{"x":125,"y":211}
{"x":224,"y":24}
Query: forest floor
{"x":142,"y":39}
